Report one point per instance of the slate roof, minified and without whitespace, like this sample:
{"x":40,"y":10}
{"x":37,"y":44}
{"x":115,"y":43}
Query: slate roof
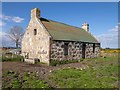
{"x":60,"y":31}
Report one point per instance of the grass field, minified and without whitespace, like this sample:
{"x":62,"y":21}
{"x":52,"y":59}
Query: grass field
{"x":99,"y":72}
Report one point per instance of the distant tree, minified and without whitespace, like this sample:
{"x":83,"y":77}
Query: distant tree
{"x":15,"y":34}
{"x":107,"y":48}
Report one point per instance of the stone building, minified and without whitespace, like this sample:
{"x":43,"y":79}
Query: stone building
{"x":48,"y":40}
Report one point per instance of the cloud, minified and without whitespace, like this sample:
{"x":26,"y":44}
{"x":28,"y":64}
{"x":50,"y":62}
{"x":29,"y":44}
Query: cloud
{"x":15,"y":19}
{"x":115,"y":29}
{"x":110,"y":38}
{"x":2,"y":23}
{"x":4,"y":17}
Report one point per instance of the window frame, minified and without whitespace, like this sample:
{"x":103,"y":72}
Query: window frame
{"x":35,"y":31}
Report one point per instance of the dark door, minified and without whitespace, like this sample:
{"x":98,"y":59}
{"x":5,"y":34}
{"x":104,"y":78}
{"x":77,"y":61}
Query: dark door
{"x":66,"y":49}
{"x":83,"y":50}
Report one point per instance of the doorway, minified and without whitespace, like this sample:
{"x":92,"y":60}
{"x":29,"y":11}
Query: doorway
{"x":66,"y":49}
{"x":83,"y":50}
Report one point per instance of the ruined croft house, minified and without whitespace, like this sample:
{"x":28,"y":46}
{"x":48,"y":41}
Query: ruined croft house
{"x":48,"y":40}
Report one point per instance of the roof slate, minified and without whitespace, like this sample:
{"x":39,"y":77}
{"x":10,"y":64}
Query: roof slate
{"x":60,"y":31}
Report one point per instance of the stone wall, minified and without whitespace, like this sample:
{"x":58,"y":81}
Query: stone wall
{"x":97,"y":50}
{"x":89,"y":53}
{"x":57,"y":51}
{"x":74,"y":50}
{"x":36,"y":46}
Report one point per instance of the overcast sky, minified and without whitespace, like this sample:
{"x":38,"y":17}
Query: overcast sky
{"x":102,"y":18}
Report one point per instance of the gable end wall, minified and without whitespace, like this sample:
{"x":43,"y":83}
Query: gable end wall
{"x":36,"y":46}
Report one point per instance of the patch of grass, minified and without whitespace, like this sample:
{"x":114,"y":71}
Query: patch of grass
{"x":101,"y":73}
{"x":8,"y":56}
{"x":28,"y":80}
{"x":55,"y":63}
{"x":11,"y":58}
{"x":102,"y":59}
{"x":31,"y":81}
{"x":11,"y":80}
{"x":15,"y":83}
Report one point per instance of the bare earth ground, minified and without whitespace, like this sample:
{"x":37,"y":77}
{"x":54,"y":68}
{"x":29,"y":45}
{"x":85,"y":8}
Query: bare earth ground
{"x":42,"y":70}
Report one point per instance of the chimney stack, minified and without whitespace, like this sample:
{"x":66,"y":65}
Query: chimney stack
{"x":85,"y":26}
{"x":35,"y":13}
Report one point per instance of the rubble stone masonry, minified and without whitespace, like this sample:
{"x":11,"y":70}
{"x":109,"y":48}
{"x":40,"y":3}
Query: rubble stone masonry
{"x":74,"y":50}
